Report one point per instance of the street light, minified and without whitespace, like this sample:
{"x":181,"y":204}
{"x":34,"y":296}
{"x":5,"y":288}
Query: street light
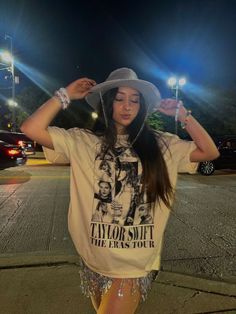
{"x":12,"y":103}
{"x":94,"y":115}
{"x":7,"y":58}
{"x":176,"y":84}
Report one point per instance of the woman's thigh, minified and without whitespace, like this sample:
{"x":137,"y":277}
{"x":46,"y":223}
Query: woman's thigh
{"x":114,"y":303}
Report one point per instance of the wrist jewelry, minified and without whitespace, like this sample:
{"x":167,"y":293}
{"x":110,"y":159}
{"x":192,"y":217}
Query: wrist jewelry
{"x":185,"y":122}
{"x":62,"y":95}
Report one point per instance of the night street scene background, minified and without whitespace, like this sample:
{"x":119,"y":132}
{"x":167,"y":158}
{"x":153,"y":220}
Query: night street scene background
{"x":54,"y":44}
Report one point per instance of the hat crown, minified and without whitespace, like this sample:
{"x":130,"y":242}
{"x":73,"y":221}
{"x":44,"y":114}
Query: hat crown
{"x":122,"y":74}
{"x":128,"y":78}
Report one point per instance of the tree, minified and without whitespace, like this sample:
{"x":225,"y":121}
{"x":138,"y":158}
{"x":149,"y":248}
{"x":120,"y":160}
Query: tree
{"x":155,"y":121}
{"x":215,"y":109}
{"x":32,"y":97}
{"x":5,"y":116}
{"x":28,"y":100}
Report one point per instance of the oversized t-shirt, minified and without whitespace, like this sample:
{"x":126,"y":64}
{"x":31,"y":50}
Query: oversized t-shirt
{"x":113,"y":227}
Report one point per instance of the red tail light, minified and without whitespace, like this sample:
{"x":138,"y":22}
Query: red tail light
{"x":13,"y":152}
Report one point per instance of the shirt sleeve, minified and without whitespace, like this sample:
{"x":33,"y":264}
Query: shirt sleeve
{"x":54,"y":157}
{"x":62,"y":140}
{"x":185,"y":165}
{"x":181,"y":150}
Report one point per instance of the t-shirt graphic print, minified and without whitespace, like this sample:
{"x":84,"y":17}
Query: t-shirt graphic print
{"x":121,"y":216}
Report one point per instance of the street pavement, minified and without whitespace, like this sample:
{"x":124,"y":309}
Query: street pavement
{"x":40,"y":283}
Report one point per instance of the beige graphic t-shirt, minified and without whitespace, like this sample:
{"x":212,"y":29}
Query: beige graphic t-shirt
{"x":115,"y":231}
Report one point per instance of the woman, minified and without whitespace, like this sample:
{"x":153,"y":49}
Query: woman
{"x":120,"y":258}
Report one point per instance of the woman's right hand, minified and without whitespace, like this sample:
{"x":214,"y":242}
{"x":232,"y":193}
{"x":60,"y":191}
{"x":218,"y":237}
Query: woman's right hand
{"x":80,"y":88}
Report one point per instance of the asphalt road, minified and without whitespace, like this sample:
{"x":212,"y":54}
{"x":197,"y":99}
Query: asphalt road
{"x":199,"y":239}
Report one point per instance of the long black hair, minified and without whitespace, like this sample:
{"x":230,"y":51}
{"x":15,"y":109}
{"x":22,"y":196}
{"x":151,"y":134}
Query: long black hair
{"x":155,"y":178}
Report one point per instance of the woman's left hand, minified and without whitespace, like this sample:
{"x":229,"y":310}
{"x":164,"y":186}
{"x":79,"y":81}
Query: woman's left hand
{"x":80,"y":88}
{"x":169,"y":106}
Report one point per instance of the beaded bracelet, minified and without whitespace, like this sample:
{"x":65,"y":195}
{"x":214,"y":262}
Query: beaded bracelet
{"x":187,"y":115}
{"x":62,"y":95}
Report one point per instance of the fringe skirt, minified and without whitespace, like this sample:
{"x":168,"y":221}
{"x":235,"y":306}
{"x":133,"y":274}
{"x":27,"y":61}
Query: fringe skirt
{"x":92,"y":282}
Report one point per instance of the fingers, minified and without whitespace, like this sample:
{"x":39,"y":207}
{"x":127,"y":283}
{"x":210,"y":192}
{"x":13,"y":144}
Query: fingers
{"x":170,"y":103}
{"x":85,"y":84}
{"x":80,"y":88}
{"x":161,"y":109}
{"x":170,"y":106}
{"x":87,"y":81}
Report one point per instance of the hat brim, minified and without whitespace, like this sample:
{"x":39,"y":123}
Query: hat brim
{"x":148,"y":90}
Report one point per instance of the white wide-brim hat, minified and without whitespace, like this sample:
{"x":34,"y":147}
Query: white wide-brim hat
{"x":126,"y":77}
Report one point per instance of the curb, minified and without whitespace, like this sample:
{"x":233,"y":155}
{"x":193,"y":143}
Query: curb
{"x":42,"y":259}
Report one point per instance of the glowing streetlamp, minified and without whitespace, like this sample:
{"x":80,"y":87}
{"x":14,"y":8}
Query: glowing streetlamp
{"x":176,"y":84}
{"x":182,"y":81}
{"x":172,"y":81}
{"x":94,"y":115}
{"x":12,"y":103}
{"x":6,"y":57}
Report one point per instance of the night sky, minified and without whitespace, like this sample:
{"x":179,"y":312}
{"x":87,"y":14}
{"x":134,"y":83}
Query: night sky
{"x":59,"y":42}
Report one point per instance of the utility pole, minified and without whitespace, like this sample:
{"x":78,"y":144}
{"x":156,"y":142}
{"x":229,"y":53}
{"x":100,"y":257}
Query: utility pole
{"x":12,"y":70}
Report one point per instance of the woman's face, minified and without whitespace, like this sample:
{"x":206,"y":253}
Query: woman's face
{"x":104,"y":166}
{"x":104,"y":189}
{"x":126,"y":106}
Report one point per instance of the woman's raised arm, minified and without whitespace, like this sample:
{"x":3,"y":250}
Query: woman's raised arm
{"x":35,"y":126}
{"x":206,"y":149}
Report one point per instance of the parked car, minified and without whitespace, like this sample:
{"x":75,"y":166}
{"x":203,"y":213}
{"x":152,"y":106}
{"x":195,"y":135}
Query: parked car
{"x":11,"y":155}
{"x":18,"y":139}
{"x":227,"y":159}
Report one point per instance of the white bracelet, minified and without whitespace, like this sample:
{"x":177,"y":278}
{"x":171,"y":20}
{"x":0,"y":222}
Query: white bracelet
{"x":177,"y":110}
{"x":185,"y":122}
{"x":62,"y":95}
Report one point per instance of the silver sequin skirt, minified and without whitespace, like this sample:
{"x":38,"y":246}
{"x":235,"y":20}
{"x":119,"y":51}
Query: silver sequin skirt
{"x":92,"y":282}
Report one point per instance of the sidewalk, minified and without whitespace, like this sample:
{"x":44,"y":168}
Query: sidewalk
{"x":48,"y":284}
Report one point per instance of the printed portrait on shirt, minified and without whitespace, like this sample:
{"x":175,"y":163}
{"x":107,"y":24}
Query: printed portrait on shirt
{"x":118,"y":198}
